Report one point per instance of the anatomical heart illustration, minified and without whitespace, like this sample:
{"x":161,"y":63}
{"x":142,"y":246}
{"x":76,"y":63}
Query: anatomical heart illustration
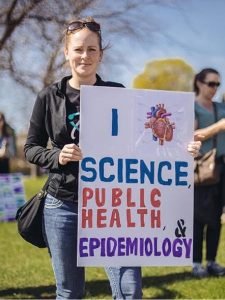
{"x":159,"y":122}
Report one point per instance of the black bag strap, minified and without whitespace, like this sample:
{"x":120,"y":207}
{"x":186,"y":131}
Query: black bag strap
{"x":216,"y":119}
{"x":47,"y":183}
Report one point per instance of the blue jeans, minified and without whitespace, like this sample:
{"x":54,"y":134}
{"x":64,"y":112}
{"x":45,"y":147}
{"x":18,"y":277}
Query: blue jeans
{"x":60,"y":231}
{"x":126,"y":282}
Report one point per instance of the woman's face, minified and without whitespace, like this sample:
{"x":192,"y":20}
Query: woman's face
{"x":207,"y":88}
{"x":83,"y":53}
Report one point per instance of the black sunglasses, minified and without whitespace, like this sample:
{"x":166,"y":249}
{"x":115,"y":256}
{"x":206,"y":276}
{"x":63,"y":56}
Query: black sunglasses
{"x":93,"y":26}
{"x":212,"y":84}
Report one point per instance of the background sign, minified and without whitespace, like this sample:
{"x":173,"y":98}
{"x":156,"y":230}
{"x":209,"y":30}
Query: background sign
{"x":136,"y":177}
{"x":11,"y":196}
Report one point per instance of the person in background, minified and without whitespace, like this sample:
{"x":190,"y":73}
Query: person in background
{"x":56,"y":116}
{"x":208,"y":200}
{"x":7,"y":145}
{"x":223,"y":98}
{"x":223,"y":214}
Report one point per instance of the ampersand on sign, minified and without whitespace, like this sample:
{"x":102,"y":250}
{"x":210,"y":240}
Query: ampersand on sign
{"x":180,"y":230}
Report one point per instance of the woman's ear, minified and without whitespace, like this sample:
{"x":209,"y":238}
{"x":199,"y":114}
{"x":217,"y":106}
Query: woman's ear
{"x":198,"y":83}
{"x":66,"y":53}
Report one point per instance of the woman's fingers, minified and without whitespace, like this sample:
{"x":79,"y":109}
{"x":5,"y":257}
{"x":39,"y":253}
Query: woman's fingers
{"x":70,"y":152}
{"x":194,"y":147}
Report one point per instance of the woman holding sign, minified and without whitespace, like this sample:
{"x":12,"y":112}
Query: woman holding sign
{"x":56,"y":116}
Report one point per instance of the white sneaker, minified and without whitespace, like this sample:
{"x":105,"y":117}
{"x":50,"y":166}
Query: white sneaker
{"x":199,"y":271}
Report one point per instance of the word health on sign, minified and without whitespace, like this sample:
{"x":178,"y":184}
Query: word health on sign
{"x":120,"y":208}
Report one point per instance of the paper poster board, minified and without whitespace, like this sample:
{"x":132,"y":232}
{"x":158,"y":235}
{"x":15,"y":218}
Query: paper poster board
{"x":136,"y":177}
{"x":11,"y":196}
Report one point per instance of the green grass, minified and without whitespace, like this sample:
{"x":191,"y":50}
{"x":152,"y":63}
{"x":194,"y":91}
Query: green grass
{"x":25,"y":271}
{"x":33,"y":184}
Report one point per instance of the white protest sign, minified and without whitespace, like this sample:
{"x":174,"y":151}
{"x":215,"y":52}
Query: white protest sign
{"x":136,"y":177}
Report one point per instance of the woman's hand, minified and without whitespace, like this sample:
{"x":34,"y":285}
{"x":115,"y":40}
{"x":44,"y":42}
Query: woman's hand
{"x":194,"y":146}
{"x":70,"y":152}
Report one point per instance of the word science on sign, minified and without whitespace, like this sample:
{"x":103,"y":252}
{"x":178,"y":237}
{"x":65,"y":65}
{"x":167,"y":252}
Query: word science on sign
{"x":136,"y":177}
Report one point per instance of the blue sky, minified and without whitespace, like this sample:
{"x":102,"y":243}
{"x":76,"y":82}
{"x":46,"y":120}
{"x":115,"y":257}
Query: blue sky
{"x":193,"y":31}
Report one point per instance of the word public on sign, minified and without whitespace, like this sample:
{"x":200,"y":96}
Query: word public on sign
{"x":136,"y":177}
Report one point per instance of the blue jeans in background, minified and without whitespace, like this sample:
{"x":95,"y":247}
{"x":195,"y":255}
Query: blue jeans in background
{"x":60,"y":231}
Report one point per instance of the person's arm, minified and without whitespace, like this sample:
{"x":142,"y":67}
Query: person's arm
{"x":210,"y":131}
{"x":37,"y":139}
{"x":11,"y":147}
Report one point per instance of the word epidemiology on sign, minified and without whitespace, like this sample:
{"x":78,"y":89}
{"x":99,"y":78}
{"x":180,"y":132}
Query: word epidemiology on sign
{"x":136,"y":179}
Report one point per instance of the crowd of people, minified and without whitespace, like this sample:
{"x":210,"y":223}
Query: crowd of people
{"x":83,"y":51}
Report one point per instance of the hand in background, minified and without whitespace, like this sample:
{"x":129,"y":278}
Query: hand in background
{"x":194,"y":146}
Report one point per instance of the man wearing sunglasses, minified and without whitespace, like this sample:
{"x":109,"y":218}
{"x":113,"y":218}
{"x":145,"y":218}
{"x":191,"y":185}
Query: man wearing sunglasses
{"x":209,"y":200}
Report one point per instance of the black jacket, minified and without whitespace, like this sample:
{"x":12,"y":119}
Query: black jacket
{"x":48,"y":121}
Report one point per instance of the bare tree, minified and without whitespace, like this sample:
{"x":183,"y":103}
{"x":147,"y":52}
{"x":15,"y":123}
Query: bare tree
{"x":31,"y":38}
{"x":31,"y":33}
{"x":12,"y":15}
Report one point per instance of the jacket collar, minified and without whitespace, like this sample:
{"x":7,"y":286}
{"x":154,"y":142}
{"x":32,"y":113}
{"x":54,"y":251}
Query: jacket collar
{"x":61,"y":85}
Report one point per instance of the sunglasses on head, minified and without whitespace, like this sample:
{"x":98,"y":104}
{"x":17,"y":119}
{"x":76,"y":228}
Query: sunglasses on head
{"x":212,"y":84}
{"x":93,"y":26}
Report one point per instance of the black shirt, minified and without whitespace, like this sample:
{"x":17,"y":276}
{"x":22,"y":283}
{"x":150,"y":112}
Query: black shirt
{"x":55,"y":116}
{"x":73,"y":112}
